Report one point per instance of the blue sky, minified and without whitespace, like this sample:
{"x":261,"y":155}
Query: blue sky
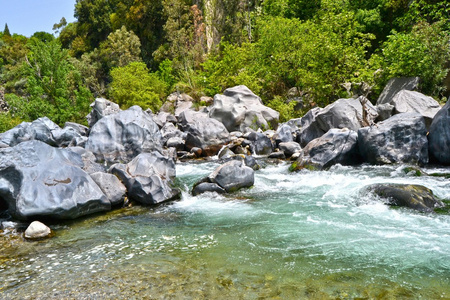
{"x":28,"y":16}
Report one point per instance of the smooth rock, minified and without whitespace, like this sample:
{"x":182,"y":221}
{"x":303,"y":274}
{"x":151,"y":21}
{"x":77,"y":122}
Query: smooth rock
{"x":37,"y":180}
{"x":148,"y":178}
{"x":399,"y":139}
{"x":289,"y":148}
{"x":111,"y":186}
{"x":37,"y":230}
{"x":239,"y":108}
{"x":232,"y":176}
{"x":207,"y":187}
{"x":261,"y":144}
{"x":395,"y":85}
{"x":439,"y":136}
{"x":122,"y":136}
{"x":417,"y":197}
{"x":101,"y":108}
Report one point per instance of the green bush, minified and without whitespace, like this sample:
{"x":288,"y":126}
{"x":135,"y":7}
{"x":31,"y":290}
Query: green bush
{"x":134,"y":85}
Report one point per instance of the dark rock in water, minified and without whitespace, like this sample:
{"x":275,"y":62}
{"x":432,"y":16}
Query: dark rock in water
{"x":230,"y":176}
{"x":111,"y":186}
{"x":337,"y":146}
{"x":344,"y":113}
{"x":395,"y":85}
{"x":37,"y":230}
{"x":122,"y":136}
{"x":417,"y":197}
{"x":261,"y":144}
{"x":399,"y":139}
{"x":101,"y":108}
{"x":37,"y":180}
{"x":207,"y":187}
{"x":283,"y":134}
{"x":148,"y":178}
{"x":251,"y":162}
{"x":239,"y":108}
{"x":203,"y":132}
{"x":290,"y":148}
{"x":277,"y":155}
{"x":439,"y":137}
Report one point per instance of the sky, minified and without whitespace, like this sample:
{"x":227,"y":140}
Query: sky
{"x":26,"y":17}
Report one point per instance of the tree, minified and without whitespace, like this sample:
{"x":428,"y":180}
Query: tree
{"x":60,"y":26}
{"x":6,"y":31}
{"x":134,"y":85}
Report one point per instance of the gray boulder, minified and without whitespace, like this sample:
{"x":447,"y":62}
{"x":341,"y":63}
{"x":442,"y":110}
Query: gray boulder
{"x":37,"y":180}
{"x":283,"y":134}
{"x":148,"y":178}
{"x":343,"y":113}
{"x":37,"y":230}
{"x":203,"y":132}
{"x":395,"y":85}
{"x":261,"y":144}
{"x":230,"y":176}
{"x":289,"y":148}
{"x":411,"y":101}
{"x":399,"y":139}
{"x":90,"y":164}
{"x":207,"y":187}
{"x":416,"y":197}
{"x":101,"y":108}
{"x":111,"y":186}
{"x":124,"y":135}
{"x":239,"y":108}
{"x":385,"y":111}
{"x":176,"y":103}
{"x":337,"y":146}
{"x":40,"y":129}
{"x":439,"y":136}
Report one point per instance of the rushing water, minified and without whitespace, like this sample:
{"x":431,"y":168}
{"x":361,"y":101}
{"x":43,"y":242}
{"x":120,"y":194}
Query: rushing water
{"x":299,"y":235}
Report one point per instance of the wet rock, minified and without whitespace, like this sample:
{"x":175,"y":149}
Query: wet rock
{"x":344,"y":113}
{"x":239,"y":108}
{"x":289,"y":148}
{"x":37,"y":230}
{"x":101,"y":108}
{"x":37,"y":180}
{"x":439,"y":136}
{"x":337,"y":146}
{"x":251,"y":162}
{"x":207,"y":187}
{"x":399,"y":139}
{"x":203,"y":132}
{"x":148,"y":178}
{"x":395,"y":85}
{"x":111,"y":186}
{"x":277,"y":155}
{"x":122,"y":136}
{"x":261,"y":144}
{"x":416,"y":197}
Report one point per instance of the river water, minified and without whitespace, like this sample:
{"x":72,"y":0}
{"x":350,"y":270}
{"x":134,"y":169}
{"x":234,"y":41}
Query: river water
{"x":306,"y":235}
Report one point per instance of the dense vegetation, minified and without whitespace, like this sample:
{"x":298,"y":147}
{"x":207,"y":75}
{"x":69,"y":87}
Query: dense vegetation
{"x":139,"y":51}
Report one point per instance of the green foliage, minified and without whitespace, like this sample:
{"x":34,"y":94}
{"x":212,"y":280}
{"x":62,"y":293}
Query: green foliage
{"x":6,"y":31}
{"x":120,"y":48}
{"x":422,"y":52}
{"x":7,"y":121}
{"x":286,"y":109}
{"x":134,"y":85}
{"x":43,"y":36}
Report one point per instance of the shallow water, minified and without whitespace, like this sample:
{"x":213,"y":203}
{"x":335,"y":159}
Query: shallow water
{"x":299,"y":235}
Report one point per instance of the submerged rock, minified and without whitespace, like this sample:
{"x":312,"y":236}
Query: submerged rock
{"x":417,"y":197}
{"x":37,"y":230}
{"x":37,"y":180}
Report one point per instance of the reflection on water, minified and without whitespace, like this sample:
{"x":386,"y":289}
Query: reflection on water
{"x":291,"y":236}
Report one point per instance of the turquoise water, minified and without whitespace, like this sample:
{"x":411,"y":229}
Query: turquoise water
{"x":300,"y":235}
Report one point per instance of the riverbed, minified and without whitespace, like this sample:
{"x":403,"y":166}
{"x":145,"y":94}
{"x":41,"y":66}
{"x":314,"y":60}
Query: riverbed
{"x":305,"y":235}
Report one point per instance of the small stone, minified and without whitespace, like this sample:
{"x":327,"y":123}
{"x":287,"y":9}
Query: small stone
{"x":37,"y":230}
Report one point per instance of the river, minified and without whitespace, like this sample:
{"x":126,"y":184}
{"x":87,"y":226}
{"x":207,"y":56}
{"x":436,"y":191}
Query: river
{"x":306,"y":235}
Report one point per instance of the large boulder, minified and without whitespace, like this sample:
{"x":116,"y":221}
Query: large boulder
{"x":239,"y":108}
{"x":439,"y":136}
{"x":148,"y":178}
{"x":122,"y":136}
{"x":284,"y":134}
{"x":230,"y":176}
{"x":111,"y":186}
{"x":261,"y":143}
{"x":343,"y":113}
{"x":395,"y":85}
{"x":417,"y":197}
{"x":203,"y":132}
{"x":101,"y":108}
{"x":399,"y":139}
{"x":41,"y":129}
{"x":411,"y":101}
{"x":337,"y":146}
{"x":37,"y":180}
